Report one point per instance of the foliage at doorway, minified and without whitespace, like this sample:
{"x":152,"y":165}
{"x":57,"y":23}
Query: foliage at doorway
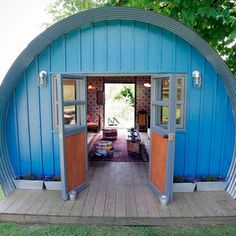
{"x":213,"y":20}
{"x":126,"y":94}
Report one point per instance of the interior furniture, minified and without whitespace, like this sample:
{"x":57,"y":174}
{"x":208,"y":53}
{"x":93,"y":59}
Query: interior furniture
{"x":103,"y":148}
{"x":93,"y":126}
{"x":109,"y":133}
{"x":133,"y":141}
{"x":142,"y":121}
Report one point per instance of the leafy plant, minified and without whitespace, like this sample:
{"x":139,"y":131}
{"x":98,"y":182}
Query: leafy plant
{"x":127,"y":94}
{"x":30,"y":177}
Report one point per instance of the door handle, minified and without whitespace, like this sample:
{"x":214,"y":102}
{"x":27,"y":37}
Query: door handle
{"x":169,"y":136}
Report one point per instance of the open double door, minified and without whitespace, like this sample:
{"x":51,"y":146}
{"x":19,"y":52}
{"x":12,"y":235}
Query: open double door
{"x":71,"y":105}
{"x":73,"y":138}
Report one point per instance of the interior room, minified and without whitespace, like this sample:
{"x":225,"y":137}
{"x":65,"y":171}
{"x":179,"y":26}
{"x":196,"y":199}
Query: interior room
{"x":118,"y":118}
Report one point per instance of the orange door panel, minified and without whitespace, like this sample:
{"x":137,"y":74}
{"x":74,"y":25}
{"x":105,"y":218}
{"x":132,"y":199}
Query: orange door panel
{"x":75,"y":152}
{"x":158,"y":161}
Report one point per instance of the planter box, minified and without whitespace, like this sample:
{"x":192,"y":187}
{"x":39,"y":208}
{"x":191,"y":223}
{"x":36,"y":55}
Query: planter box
{"x":28,"y":184}
{"x":184,"y":187}
{"x":211,"y":186}
{"x":53,"y":185}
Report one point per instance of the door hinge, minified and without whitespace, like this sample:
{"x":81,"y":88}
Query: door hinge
{"x":171,"y":137}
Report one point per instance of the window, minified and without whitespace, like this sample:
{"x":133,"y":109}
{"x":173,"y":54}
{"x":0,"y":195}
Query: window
{"x":74,"y":104}
{"x":160,"y":102}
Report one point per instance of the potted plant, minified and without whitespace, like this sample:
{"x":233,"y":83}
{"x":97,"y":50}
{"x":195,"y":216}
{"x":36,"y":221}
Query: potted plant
{"x":29,"y":181}
{"x":53,"y":183}
{"x":182,"y":184}
{"x":211,"y":183}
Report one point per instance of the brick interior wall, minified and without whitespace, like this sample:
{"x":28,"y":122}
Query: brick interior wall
{"x":143,"y":94}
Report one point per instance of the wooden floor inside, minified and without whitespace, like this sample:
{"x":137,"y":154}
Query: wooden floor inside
{"x":118,"y":194}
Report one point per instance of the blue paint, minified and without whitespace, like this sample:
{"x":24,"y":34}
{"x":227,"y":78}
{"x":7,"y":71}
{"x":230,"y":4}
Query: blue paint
{"x":46,"y":116}
{"x":73,"y":62}
{"x":140,"y":46}
{"x":100,"y":46}
{"x":204,"y":147}
{"x":127,"y":45}
{"x":23,"y":127}
{"x":12,"y":137}
{"x":34,"y":118}
{"x":193,"y":112}
{"x":154,"y":48}
{"x":87,"y":48}
{"x":58,"y":54}
{"x":179,"y":153}
{"x":113,"y":46}
{"x":167,"y":51}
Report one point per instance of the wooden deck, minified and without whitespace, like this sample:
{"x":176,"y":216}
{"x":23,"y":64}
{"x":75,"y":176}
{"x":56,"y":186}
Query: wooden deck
{"x":118,"y":194}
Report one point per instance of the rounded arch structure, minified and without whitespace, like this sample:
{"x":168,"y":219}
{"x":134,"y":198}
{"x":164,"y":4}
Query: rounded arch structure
{"x":93,"y":16}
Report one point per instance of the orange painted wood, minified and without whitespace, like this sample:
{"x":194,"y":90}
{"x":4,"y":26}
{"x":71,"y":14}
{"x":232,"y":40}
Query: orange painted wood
{"x":75,"y":152}
{"x":158,"y":161}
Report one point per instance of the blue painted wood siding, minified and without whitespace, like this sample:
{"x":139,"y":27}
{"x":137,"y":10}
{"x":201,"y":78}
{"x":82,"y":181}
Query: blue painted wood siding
{"x":203,"y":148}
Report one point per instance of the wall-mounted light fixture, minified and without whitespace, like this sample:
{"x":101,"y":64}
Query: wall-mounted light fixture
{"x":147,"y":85}
{"x":90,"y":87}
{"x":196,"y":79}
{"x":42,"y":80}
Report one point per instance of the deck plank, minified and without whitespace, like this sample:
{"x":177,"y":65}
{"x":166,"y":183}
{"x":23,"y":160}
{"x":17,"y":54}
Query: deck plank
{"x":42,"y":197}
{"x":90,"y":200}
{"x":100,"y":201}
{"x":182,"y":205}
{"x":226,"y":202}
{"x":110,"y":201}
{"x":195,"y":206}
{"x":120,"y":201}
{"x":173,"y":209}
{"x":66,"y":208}
{"x":135,"y":174}
{"x":9,"y":200}
{"x":48,"y":204}
{"x":28,"y":201}
{"x":141,"y":204}
{"x":118,"y":194}
{"x":56,"y":207}
{"x":18,"y":202}
{"x":79,"y":203}
{"x":151,"y":202}
{"x":130,"y":201}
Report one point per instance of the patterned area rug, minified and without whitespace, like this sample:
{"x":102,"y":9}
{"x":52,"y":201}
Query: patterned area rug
{"x":120,"y":153}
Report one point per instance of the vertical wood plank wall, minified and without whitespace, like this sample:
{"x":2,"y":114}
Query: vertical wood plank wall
{"x":204,"y":147}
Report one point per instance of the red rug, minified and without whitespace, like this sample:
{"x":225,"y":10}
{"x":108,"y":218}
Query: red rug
{"x":120,"y":153}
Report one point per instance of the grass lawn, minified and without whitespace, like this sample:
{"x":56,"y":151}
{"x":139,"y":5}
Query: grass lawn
{"x":38,"y":229}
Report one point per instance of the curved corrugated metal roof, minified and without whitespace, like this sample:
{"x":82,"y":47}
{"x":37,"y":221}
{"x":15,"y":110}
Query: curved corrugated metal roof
{"x":96,"y":15}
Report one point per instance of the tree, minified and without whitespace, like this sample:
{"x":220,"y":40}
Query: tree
{"x":213,"y":20}
{"x":126,"y":94}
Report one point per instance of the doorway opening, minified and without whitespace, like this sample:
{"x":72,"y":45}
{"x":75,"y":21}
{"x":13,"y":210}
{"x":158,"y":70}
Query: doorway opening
{"x":119,"y":105}
{"x":116,"y":105}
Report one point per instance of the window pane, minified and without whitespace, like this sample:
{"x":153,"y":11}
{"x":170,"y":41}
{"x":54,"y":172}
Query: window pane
{"x":178,"y":114}
{"x":179,"y":89}
{"x":163,"y":89}
{"x":161,"y":114}
{"x":70,"y":115}
{"x":164,"y":115}
{"x":74,"y":115}
{"x":69,"y":90}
